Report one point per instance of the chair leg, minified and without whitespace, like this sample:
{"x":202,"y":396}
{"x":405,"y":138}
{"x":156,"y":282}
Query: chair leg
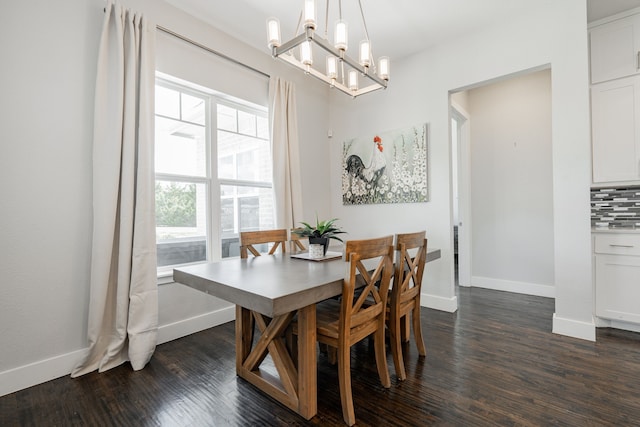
{"x":405,"y":328}
{"x":344,"y":376}
{"x":417,"y":330}
{"x":395,"y":342}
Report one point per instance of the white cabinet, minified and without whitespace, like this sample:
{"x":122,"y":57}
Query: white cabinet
{"x":617,"y":276}
{"x":615,"y":49}
{"x":615,"y":130}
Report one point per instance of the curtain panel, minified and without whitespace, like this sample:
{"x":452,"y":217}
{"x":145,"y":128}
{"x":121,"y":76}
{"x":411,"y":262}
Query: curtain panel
{"x":286,"y":158}
{"x":123,"y":306}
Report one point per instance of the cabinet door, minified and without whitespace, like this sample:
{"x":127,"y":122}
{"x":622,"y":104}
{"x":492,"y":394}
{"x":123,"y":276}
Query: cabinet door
{"x":618,"y":287}
{"x":615,"y":130}
{"x":614,"y":49}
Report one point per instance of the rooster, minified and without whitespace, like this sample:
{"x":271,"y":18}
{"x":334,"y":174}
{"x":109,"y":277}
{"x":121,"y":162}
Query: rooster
{"x":372,"y":173}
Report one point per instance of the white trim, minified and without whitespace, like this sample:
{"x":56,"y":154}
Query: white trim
{"x":45,"y":370}
{"x":39,"y":372}
{"x":607,"y":19}
{"x":536,"y":289}
{"x":574,"y":328}
{"x":195,"y":324}
{"x":436,"y":302}
{"x":463,"y":167}
{"x":616,"y":324}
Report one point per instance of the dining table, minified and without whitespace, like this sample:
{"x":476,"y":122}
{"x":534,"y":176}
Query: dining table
{"x":268,"y":292}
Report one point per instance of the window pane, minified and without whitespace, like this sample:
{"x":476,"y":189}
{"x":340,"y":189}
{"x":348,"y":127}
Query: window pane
{"x":167,"y":102}
{"x":180,"y":148}
{"x":263,"y":127}
{"x":193,"y":109}
{"x":181,"y":217}
{"x":244,"y":208}
{"x":227,"y":118}
{"x":252,"y":157}
{"x":246,"y":123}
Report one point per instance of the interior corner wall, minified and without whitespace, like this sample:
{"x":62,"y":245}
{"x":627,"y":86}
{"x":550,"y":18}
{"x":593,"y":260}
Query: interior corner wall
{"x":47,"y":96}
{"x":552,"y":34}
{"x":511,"y":185}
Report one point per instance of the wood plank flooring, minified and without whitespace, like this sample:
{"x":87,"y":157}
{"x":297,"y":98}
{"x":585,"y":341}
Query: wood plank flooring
{"x":495,"y":362}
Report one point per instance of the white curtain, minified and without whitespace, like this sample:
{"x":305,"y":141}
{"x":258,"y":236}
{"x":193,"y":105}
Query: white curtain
{"x":286,"y":158}
{"x":123,"y":306}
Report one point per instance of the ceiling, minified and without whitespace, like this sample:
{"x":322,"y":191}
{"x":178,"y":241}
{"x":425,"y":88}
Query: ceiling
{"x":396,"y":28}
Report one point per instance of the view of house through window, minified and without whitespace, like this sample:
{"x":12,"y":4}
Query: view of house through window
{"x":213,"y":174}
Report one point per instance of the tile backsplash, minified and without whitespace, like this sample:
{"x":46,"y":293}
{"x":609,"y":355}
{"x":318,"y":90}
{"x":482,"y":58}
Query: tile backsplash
{"x":615,"y":207}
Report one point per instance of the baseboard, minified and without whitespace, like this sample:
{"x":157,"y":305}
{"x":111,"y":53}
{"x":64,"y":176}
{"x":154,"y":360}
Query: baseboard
{"x":449,"y":305}
{"x":617,"y":324}
{"x":195,"y":324}
{"x":55,"y":367}
{"x":39,"y":372}
{"x":526,"y":288}
{"x":574,"y":328}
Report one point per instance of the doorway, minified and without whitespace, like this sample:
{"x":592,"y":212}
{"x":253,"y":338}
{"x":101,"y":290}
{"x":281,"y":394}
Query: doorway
{"x":502,"y":184}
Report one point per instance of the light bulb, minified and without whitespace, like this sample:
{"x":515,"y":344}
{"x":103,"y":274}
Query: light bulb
{"x":340,"y":36}
{"x":310,"y":14}
{"x":365,"y":53}
{"x":332,"y":67}
{"x":353,"y":80}
{"x":305,"y":53}
{"x":273,"y":32}
{"x":383,"y":67}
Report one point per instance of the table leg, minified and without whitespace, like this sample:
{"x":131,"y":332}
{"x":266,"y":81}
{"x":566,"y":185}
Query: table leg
{"x":307,"y":363}
{"x":244,"y":335}
{"x":295,"y":388}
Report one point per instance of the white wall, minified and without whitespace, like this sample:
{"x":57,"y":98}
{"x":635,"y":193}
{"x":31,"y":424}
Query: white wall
{"x":511,"y":185}
{"x":48,"y":79}
{"x":555,"y":35}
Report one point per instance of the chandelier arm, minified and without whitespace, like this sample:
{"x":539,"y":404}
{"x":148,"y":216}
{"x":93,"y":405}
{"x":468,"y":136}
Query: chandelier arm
{"x":293,"y":61}
{"x":324,"y":44}
{"x":297,"y":40}
{"x":328,"y":47}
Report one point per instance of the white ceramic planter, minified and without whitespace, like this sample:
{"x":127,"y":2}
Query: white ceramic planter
{"x":316,"y":251}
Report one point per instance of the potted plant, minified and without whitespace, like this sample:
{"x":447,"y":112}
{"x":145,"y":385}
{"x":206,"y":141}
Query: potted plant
{"x":319,"y":235}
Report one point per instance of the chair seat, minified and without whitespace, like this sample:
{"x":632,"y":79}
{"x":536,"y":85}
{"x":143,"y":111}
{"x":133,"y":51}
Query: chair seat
{"x":328,"y":318}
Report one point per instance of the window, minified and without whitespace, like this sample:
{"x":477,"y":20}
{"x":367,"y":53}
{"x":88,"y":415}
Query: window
{"x":213,"y":174}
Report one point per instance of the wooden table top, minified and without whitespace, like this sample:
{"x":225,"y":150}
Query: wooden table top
{"x":271,"y":285}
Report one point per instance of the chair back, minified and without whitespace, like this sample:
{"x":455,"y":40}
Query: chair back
{"x":407,"y":278}
{"x":296,"y":241}
{"x":250,"y":238}
{"x":369,"y":265}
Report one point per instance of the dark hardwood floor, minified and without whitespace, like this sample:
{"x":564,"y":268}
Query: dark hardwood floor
{"x":494,"y":362}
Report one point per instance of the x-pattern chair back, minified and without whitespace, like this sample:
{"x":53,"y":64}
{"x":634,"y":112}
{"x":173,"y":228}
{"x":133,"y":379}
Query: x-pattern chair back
{"x":296,"y":242}
{"x":250,"y":238}
{"x":404,"y":300}
{"x":409,"y":269}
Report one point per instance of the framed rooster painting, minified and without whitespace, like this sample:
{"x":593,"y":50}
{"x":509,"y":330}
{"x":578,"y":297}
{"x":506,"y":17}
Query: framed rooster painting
{"x":386,"y":167}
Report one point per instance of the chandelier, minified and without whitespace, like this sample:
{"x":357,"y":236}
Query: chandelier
{"x":341,"y":71}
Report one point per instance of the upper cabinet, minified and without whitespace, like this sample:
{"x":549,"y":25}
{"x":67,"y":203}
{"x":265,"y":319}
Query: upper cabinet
{"x":615,"y":130}
{"x":615,"y":49}
{"x":615,"y":101}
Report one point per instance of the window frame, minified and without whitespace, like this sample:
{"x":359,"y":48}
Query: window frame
{"x":211,"y":180}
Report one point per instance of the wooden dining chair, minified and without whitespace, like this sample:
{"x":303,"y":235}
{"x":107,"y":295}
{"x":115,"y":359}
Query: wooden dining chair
{"x":296,"y":242}
{"x":250,"y":238}
{"x":404,"y":297}
{"x":343,"y":323}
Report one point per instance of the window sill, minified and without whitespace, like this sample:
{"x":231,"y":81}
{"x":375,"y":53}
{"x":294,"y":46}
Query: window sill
{"x":165,"y":277}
